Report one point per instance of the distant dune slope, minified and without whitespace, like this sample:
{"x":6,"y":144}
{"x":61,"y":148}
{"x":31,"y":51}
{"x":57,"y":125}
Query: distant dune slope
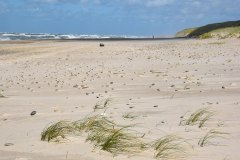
{"x":219,"y":30}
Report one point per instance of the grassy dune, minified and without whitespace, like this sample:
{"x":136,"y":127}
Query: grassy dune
{"x":185,"y":32}
{"x":215,"y":30}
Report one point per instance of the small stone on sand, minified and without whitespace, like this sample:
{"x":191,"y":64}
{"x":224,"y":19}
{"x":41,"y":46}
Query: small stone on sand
{"x":33,"y":113}
{"x":8,"y":144}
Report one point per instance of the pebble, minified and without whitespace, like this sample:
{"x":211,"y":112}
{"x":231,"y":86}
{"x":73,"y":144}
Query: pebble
{"x":75,"y":86}
{"x":33,"y":113}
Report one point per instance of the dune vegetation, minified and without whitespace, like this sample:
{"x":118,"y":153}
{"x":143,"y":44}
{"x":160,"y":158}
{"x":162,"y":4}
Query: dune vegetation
{"x":103,"y":133}
{"x":199,"y":117}
{"x":208,"y":138}
{"x":185,"y":32}
{"x":117,"y":139}
{"x":168,"y":147}
{"x":216,"y":30}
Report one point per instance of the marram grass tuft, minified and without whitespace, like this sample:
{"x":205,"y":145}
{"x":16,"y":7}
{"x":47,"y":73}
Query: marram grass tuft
{"x":199,"y":117}
{"x":169,"y":146}
{"x":209,"y":136}
{"x":57,"y":131}
{"x":116,"y":141}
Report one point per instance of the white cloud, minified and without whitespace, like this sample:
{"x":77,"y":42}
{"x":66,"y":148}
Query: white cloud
{"x":157,"y":3}
{"x":60,"y":1}
{"x":148,"y":3}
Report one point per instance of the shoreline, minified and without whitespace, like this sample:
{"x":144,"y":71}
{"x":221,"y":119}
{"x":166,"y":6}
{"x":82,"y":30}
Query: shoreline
{"x":99,"y":39}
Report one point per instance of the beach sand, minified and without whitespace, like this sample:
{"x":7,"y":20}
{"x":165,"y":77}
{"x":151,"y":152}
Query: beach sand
{"x":157,"y":82}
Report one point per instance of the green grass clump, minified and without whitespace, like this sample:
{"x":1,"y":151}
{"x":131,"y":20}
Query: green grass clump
{"x":199,"y":117}
{"x":108,"y":136}
{"x":61,"y":129}
{"x":185,"y":32}
{"x":96,"y":122}
{"x":99,"y":135}
{"x":210,"y":135}
{"x":116,"y":141}
{"x":57,"y":131}
{"x":168,"y":147}
{"x":119,"y":142}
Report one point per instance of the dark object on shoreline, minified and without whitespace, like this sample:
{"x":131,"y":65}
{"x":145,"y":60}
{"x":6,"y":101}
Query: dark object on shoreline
{"x":101,"y":45}
{"x":33,"y":113}
{"x":8,"y":144}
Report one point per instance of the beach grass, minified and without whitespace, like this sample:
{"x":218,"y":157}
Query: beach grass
{"x":92,"y":123}
{"x":205,"y":119}
{"x":57,"y":131}
{"x":108,"y":136}
{"x":61,"y":129}
{"x":103,"y":133}
{"x":209,"y":136}
{"x":168,"y":147}
{"x":116,"y":141}
{"x":200,"y":117}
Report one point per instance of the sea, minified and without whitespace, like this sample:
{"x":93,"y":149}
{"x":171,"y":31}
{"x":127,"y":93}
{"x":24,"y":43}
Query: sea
{"x":48,"y":36}
{"x":8,"y":36}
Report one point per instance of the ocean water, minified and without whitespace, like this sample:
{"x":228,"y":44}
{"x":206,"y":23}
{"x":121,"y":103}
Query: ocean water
{"x":46,"y":36}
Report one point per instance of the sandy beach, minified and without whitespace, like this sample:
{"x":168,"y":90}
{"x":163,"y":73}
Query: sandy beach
{"x":152,"y":84}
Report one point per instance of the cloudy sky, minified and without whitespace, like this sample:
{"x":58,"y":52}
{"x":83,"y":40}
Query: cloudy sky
{"x":130,"y":17}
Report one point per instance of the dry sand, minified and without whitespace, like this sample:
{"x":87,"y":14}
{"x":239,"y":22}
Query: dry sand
{"x":157,"y":81}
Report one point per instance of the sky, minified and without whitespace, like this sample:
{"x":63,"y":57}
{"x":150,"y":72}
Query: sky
{"x":113,"y":17}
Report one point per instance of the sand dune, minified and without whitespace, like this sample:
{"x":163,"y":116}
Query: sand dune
{"x":159,"y":82}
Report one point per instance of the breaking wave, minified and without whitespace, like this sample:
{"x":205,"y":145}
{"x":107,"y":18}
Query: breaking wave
{"x":46,"y":36}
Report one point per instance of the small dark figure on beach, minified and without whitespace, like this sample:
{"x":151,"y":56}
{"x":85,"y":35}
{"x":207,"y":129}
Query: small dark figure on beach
{"x":101,"y":45}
